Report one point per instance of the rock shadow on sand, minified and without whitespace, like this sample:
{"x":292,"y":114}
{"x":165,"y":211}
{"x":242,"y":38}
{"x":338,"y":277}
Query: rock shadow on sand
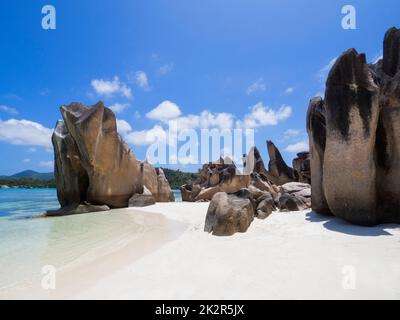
{"x":338,"y":225}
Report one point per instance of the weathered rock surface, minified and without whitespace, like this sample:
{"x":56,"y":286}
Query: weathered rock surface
{"x":229,"y":213}
{"x":265,"y":205}
{"x":355,"y":159}
{"x":143,"y":199}
{"x":111,"y":166}
{"x":291,"y":202}
{"x":292,"y":187}
{"x":279,"y":172}
{"x":155,"y":181}
{"x":316,"y":129}
{"x":301,"y":167}
{"x":71,"y":178}
{"x":93,"y":165}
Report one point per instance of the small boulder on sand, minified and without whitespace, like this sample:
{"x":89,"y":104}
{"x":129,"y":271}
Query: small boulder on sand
{"x":230,"y":213}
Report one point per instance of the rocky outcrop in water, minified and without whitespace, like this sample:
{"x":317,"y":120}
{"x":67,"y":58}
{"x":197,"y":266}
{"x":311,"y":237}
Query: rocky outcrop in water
{"x":355,"y":138}
{"x":94,"y":166}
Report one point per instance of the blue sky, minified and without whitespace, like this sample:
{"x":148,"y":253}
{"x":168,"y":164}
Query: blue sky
{"x":255,"y":61}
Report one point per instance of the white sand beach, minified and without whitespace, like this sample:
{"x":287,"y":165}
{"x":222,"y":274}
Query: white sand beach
{"x":295,"y":255}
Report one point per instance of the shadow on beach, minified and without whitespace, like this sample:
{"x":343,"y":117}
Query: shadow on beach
{"x":336,"y":224}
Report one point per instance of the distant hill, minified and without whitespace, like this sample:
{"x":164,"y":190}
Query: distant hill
{"x":176,"y":178}
{"x":31,"y":175}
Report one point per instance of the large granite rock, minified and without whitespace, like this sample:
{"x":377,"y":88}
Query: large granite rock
{"x":220,"y":176}
{"x":71,"y":178}
{"x":279,"y":172}
{"x":143,"y":199}
{"x":265,"y":205}
{"x":229,"y":213}
{"x":316,"y":129}
{"x":93,"y":165}
{"x":291,"y":202}
{"x":155,"y":181}
{"x":111,"y":166}
{"x":352,"y":110}
{"x":357,"y":156}
{"x":301,"y":167}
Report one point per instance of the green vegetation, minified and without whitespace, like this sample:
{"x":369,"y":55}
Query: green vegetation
{"x":177,"y":178}
{"x":27,"y":183}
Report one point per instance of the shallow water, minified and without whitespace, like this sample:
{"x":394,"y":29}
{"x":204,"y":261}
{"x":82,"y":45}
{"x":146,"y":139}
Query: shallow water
{"x":27,"y":244}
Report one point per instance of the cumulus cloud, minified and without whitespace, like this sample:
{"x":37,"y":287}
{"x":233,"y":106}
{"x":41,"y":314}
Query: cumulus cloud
{"x":171,"y":122}
{"x":258,"y":86}
{"x":165,"y":111}
{"x":119,"y":107}
{"x":146,"y":137}
{"x":262,"y":115}
{"x":165,"y":69}
{"x":25,"y":132}
{"x":205,"y":120}
{"x":289,"y":90}
{"x":142,"y":80}
{"x":111,"y":88}
{"x":46,"y":164}
{"x":123,"y":126}
{"x":298,"y":147}
{"x":8,"y":109}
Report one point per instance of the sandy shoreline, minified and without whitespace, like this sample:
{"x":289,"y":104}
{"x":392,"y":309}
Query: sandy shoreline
{"x":297,"y":255}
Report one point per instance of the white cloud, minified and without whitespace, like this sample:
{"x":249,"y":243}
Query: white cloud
{"x":119,"y":107}
{"x":298,"y":147}
{"x":289,"y":90}
{"x":142,"y":80}
{"x":187,"y":160}
{"x":168,"y":115}
{"x":123,"y":126}
{"x":146,"y":137}
{"x":165,"y":111}
{"x":261,"y":115}
{"x":110,"y":88}
{"x":46,"y":164}
{"x":26,"y":160}
{"x":291,"y":133}
{"x":258,"y":86}
{"x":206,"y":120}
{"x":8,"y":109}
{"x":324,"y":71}
{"x":165,"y":69}
{"x":25,"y":132}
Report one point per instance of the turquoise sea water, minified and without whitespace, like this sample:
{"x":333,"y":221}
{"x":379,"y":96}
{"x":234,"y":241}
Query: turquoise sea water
{"x":28,"y":243}
{"x":25,"y":203}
